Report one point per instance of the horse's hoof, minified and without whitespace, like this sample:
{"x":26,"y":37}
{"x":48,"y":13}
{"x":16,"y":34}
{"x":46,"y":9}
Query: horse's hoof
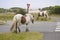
{"x":27,"y":30}
{"x":19,"y":30}
{"x":10,"y":29}
{"x":16,"y":32}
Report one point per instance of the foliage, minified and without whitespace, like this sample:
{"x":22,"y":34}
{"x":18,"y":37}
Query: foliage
{"x":2,"y":10}
{"x":18,"y":10}
{"x":13,"y":9}
{"x":48,"y":8}
{"x":2,"y":22}
{"x":41,"y":18}
{"x":53,"y":9}
{"x":5,"y":17}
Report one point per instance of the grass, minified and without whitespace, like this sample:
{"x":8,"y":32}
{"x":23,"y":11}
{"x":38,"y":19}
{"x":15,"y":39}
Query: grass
{"x":44,"y":19}
{"x":2,"y":22}
{"x":55,"y":15}
{"x":41,"y":18}
{"x":22,"y":36}
{"x":5,"y":17}
{"x":9,"y":16}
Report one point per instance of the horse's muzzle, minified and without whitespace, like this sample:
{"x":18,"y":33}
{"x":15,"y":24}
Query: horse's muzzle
{"x":32,"y":21}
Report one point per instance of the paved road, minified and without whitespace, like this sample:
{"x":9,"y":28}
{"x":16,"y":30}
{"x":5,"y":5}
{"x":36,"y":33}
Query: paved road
{"x":58,"y":27}
{"x":37,"y":26}
{"x":51,"y":36}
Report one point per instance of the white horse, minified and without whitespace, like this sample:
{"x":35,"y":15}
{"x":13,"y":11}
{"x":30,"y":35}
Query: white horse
{"x":43,"y":13}
{"x":22,"y":19}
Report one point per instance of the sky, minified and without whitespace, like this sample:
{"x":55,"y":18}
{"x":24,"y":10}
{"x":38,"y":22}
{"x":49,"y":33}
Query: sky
{"x":33,"y":3}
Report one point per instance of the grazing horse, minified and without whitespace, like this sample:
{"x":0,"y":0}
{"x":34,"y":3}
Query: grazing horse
{"x":21,"y":19}
{"x":42,"y":13}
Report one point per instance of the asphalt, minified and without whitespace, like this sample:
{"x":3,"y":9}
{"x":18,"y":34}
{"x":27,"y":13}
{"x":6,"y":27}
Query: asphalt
{"x":51,"y":35}
{"x":37,"y":26}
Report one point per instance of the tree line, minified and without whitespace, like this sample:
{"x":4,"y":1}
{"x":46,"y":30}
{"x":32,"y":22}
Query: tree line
{"x":53,"y":9}
{"x":14,"y":9}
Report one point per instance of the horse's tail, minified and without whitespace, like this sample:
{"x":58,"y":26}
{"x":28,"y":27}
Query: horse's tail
{"x":23,"y":19}
{"x":14,"y":23}
{"x":12,"y":26}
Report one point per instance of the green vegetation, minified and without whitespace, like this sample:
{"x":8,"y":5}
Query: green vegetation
{"x":13,"y":9}
{"x":53,"y":9}
{"x":22,"y":36}
{"x":44,"y":19}
{"x":55,"y":15}
{"x":40,"y":18}
{"x":7,"y":14}
{"x":2,"y":22}
{"x":6,"y":17}
{"x":18,"y":10}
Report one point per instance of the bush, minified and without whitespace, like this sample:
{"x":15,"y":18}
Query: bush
{"x":18,"y":10}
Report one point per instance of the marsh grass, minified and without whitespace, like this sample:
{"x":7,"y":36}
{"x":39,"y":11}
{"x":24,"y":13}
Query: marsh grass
{"x":5,"y":17}
{"x":9,"y":16}
{"x":41,"y":18}
{"x":2,"y":22}
{"x":55,"y":15}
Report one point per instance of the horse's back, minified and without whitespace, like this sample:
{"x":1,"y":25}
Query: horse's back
{"x":23,"y":18}
{"x":17,"y":17}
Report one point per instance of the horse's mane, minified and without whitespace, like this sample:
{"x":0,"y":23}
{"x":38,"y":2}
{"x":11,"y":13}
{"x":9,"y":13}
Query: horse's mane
{"x":23,"y":19}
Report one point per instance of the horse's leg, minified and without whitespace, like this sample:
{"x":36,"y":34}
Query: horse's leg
{"x":27,"y":28}
{"x":18,"y":27}
{"x":12,"y":27}
{"x":38,"y":18}
{"x":45,"y":17}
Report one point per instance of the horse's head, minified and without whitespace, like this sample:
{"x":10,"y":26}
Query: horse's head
{"x":32,"y":18}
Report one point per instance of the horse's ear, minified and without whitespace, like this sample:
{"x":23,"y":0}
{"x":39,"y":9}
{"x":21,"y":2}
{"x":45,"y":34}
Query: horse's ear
{"x":33,"y":15}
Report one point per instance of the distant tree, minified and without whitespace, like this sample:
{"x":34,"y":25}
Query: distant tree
{"x":57,"y":9}
{"x":2,"y":10}
{"x":53,"y":9}
{"x":18,"y":10}
{"x":39,"y":9}
{"x":48,"y":8}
